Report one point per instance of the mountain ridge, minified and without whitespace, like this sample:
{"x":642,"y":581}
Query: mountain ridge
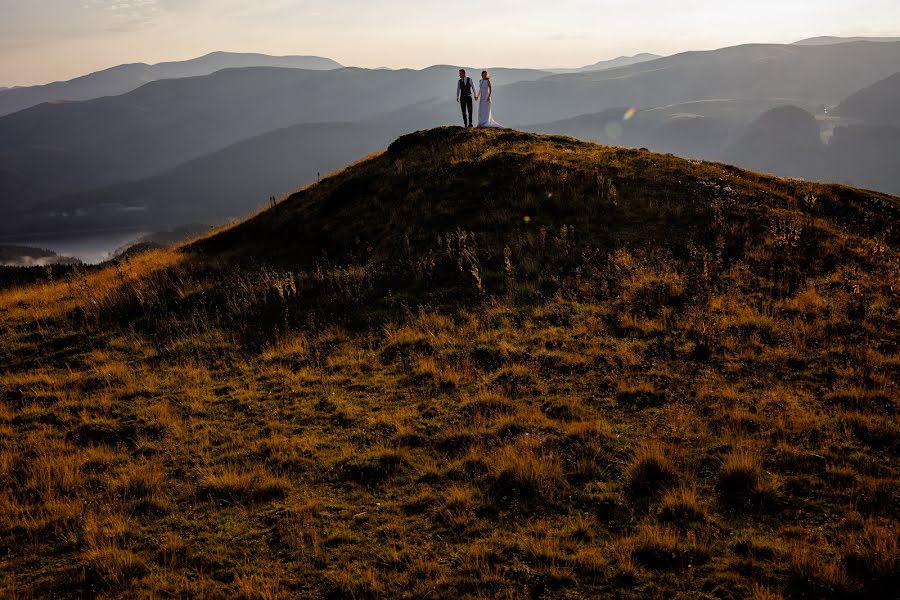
{"x":124,"y":78}
{"x":876,"y":104}
{"x":829,"y":40}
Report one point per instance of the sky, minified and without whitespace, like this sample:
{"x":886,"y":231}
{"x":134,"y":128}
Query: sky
{"x":49,"y":40}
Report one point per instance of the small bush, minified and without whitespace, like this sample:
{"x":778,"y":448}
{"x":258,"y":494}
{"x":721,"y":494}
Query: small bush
{"x":649,"y":292}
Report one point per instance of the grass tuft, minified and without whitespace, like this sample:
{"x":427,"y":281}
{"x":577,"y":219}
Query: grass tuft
{"x":873,"y":556}
{"x":741,"y":479}
{"x":233,"y":485}
{"x":650,"y":470}
{"x":683,"y":506}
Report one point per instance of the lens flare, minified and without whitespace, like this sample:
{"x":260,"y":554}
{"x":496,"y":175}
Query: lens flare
{"x":629,"y":114}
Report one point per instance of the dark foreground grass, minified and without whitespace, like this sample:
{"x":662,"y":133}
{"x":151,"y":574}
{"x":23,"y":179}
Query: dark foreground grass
{"x":478,"y":365}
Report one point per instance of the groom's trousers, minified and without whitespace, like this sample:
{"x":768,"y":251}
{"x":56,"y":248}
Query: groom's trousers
{"x":466,"y":103}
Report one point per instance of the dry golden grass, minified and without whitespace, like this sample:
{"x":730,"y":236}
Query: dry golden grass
{"x":684,"y":398}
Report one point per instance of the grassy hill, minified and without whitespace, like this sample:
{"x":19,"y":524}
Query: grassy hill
{"x":477,"y":364}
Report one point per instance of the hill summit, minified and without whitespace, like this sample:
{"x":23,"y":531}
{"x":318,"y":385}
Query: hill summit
{"x":504,"y":184}
{"x":476,"y":364}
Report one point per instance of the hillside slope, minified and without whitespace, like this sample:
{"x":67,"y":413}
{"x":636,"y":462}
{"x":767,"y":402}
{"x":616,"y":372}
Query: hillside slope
{"x":478,"y":364}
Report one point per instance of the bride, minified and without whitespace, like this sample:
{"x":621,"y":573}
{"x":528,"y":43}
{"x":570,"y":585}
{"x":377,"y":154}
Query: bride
{"x":485,"y":117}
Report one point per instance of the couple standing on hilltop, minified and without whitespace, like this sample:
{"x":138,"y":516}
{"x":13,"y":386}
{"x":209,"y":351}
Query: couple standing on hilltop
{"x":465,"y":91}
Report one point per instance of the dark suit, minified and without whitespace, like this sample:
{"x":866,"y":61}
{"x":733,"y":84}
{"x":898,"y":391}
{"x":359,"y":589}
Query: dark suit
{"x":465,"y":89}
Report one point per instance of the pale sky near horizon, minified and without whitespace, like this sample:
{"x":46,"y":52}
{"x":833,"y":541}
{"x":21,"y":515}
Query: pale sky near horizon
{"x":47,"y":40}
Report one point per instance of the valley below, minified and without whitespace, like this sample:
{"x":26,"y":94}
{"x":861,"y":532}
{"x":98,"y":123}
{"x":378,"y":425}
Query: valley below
{"x":90,"y":247}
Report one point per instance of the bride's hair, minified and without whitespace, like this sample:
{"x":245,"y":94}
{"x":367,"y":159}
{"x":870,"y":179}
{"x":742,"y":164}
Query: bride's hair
{"x":486,"y":75}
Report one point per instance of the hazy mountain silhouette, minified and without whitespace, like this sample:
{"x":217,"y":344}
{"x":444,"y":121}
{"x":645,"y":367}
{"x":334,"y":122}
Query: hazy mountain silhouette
{"x":876,"y":104}
{"x":24,"y":256}
{"x":212,"y":147}
{"x":827,"y":40}
{"x":701,"y":129}
{"x":691,"y":136}
{"x":238,"y":179}
{"x":801,"y":74}
{"x":621,"y":61}
{"x":125,"y":78}
{"x":227,"y":184}
{"x":39,"y":172}
{"x":866,"y":156}
{"x":784,"y":141}
{"x":166,"y":123}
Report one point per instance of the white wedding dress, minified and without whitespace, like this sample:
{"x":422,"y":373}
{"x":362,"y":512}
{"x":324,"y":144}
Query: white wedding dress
{"x":485,"y":115}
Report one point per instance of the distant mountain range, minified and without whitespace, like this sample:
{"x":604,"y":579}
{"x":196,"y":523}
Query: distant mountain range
{"x":125,"y":78}
{"x":818,"y":75}
{"x":622,"y":61}
{"x":826,"y":40}
{"x":163,"y":124}
{"x":214,"y":147}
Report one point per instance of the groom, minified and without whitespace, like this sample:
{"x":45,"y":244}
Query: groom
{"x":465,"y":89}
